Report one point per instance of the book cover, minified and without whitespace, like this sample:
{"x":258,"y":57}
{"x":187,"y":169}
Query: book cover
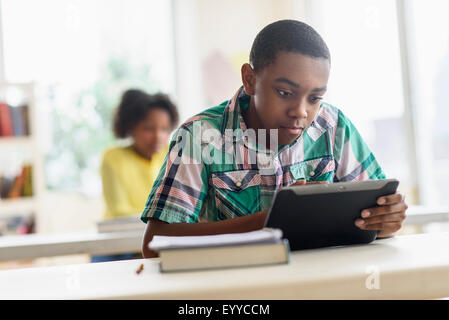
{"x":258,"y":236}
{"x":6,"y":184}
{"x":18,"y":184}
{"x":28,"y":184}
{"x":230,"y":256}
{"x":17,"y":224}
{"x":26,"y":119}
{"x":6,"y":128}
{"x":255,"y":248}
{"x":18,"y":121}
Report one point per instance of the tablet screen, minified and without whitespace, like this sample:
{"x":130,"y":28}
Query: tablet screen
{"x":323,"y":215}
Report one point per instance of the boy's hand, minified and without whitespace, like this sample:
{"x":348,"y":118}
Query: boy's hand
{"x":387,"y":217}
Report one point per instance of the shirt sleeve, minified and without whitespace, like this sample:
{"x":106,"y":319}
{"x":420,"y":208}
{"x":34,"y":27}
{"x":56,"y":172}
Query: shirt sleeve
{"x":114,"y":193}
{"x":354,"y":161}
{"x":178,"y":193}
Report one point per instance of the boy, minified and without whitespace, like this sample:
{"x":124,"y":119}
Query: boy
{"x":228,"y":181}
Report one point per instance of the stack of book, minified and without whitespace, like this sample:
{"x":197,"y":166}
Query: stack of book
{"x":261,"y":247}
{"x":13,"y":120}
{"x":17,"y":186}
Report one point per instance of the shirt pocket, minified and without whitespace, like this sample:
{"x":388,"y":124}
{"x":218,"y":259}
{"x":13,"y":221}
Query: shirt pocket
{"x":237,"y":193}
{"x":320,"y":169}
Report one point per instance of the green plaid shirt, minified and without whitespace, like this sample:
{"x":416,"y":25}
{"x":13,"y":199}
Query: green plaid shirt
{"x":215,"y":170}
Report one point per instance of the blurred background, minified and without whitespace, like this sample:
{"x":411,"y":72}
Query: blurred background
{"x":65,"y":63}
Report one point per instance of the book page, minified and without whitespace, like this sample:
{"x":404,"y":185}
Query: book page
{"x":258,"y":236}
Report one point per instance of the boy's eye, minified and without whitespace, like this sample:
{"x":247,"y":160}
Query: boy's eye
{"x":284,"y":93}
{"x":316,"y":99}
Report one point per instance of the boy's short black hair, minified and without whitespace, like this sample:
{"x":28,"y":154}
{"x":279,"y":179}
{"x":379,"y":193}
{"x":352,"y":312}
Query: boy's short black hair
{"x":135,"y":105}
{"x":289,"y":36}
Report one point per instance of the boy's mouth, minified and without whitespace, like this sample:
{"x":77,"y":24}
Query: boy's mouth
{"x":292,"y":130}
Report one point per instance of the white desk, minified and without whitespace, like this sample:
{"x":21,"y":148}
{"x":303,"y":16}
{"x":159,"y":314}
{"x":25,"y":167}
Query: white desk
{"x":48,"y":245}
{"x":420,"y":215}
{"x":410,"y":267}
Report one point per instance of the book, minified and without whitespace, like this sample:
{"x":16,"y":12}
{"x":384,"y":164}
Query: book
{"x":26,"y":119}
{"x":17,"y":224}
{"x":16,"y":190}
{"x":6,"y":184}
{"x":17,"y":186}
{"x":19,"y":121}
{"x":121,"y":224}
{"x":6,"y":127}
{"x":187,"y":253}
{"x":28,"y":185}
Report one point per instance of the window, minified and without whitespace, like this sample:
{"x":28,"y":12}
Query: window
{"x":428,"y":35}
{"x":365,"y":81}
{"x":83,"y":55}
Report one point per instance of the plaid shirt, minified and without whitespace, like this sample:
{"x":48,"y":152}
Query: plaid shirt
{"x":215,"y":171}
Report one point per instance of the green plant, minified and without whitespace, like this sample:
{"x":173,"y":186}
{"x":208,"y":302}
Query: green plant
{"x":82,"y":130}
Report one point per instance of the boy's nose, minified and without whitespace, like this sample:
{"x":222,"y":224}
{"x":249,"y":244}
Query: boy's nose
{"x":298,"y":111}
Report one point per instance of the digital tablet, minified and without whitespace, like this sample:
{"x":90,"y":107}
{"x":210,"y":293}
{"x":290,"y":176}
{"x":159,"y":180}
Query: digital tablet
{"x":323,"y":215}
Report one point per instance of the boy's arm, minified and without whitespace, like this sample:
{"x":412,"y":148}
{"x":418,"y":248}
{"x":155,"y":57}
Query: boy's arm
{"x":252,"y":222}
{"x":248,"y":223}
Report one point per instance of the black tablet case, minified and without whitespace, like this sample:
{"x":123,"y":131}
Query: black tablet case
{"x":324,"y":220}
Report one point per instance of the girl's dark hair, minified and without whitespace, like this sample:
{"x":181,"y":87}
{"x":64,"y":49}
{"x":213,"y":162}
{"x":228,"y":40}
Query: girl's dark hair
{"x":134,"y":106}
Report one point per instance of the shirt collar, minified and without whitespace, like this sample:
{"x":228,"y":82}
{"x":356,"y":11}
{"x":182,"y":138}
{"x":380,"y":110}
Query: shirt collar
{"x":233,"y":120}
{"x":233,"y":125}
{"x":232,"y":117}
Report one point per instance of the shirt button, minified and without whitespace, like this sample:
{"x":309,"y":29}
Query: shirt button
{"x":312,"y":173}
{"x":238,"y":184}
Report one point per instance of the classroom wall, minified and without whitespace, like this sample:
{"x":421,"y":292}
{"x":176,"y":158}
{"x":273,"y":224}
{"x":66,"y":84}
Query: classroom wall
{"x":222,"y":52}
{"x":208,"y":55}
{"x":69,"y":212}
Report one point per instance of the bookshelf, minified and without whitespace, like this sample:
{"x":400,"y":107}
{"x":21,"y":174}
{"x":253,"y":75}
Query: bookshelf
{"x":22,"y":150}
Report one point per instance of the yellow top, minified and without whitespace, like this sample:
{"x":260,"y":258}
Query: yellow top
{"x":127,"y":180}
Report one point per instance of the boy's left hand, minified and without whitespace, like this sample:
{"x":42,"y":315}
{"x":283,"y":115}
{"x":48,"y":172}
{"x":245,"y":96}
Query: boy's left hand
{"x":387,"y":217}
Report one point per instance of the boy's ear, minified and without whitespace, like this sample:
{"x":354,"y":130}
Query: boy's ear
{"x":249,"y":79}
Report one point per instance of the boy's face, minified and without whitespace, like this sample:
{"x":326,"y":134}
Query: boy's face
{"x":286,"y":94}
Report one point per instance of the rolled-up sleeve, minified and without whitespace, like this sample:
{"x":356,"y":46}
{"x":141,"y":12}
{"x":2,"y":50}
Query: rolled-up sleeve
{"x":178,"y":193}
{"x":354,"y":161}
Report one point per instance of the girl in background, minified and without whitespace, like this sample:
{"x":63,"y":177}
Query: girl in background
{"x":128,"y":172}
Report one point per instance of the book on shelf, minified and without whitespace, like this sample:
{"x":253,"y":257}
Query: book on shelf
{"x":255,"y":248}
{"x":28,"y":184}
{"x":16,"y":190}
{"x":121,"y":224}
{"x":19,"y":117}
{"x":13,"y":187}
{"x":17,"y":224}
{"x":14,"y":120}
{"x":6,"y":128}
{"x":6,"y":184}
